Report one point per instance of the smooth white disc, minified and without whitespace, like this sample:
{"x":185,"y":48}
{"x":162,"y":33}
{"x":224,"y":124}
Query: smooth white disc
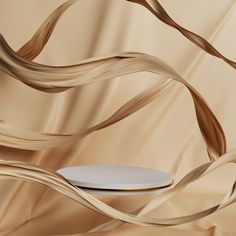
{"x":109,"y":177}
{"x":153,"y":191}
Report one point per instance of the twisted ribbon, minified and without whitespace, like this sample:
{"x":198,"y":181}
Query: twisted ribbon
{"x":156,"y":9}
{"x":55,"y":79}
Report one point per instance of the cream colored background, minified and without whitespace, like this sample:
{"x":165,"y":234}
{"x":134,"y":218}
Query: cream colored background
{"x":91,"y":28}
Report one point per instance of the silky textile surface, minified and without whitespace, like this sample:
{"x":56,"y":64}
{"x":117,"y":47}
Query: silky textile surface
{"x":49,"y":120}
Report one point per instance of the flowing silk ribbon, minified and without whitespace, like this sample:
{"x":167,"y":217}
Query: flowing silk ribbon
{"x":55,"y":79}
{"x":25,"y":171}
{"x":156,"y":9}
{"x":92,"y":71}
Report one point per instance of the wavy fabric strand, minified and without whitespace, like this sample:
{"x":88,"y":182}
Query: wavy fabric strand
{"x":155,"y":7}
{"x":56,"y":79}
{"x":93,"y":71}
{"x":33,"y":173}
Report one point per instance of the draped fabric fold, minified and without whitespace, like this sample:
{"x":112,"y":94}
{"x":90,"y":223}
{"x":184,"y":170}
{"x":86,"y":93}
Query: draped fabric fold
{"x":55,"y":79}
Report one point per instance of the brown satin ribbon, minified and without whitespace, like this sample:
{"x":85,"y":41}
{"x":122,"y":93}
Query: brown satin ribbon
{"x":155,"y":7}
{"x":25,"y":171}
{"x":34,"y":46}
{"x":90,"y":71}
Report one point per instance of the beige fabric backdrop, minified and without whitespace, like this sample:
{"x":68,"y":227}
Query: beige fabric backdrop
{"x":163,"y":135}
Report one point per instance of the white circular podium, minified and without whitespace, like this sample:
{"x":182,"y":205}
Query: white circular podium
{"x":116,"y":180}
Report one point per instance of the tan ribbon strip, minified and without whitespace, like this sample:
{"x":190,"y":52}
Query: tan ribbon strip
{"x":49,"y":79}
{"x":190,"y":177}
{"x":24,"y":139}
{"x":34,"y":46}
{"x":92,"y":71}
{"x":155,"y":7}
{"x":25,"y":171}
